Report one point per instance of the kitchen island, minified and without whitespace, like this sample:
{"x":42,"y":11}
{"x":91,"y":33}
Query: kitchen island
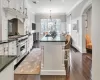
{"x":52,"y":55}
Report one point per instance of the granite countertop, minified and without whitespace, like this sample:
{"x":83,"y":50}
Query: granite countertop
{"x":58,"y":38}
{"x":5,"y":61}
{"x":17,"y":36}
{"x":31,"y":65}
{"x":6,"y":41}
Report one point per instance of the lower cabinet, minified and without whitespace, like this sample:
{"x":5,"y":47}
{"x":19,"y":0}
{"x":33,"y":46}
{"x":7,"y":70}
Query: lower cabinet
{"x":8,"y":48}
{"x":7,"y":73}
{"x":1,"y":49}
{"x":12,"y":48}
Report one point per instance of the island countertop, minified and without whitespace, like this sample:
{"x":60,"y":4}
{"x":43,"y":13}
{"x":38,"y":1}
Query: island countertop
{"x":5,"y":61}
{"x":58,"y":38}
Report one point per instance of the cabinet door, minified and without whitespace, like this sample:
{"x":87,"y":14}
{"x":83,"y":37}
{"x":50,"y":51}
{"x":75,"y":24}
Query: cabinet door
{"x":28,"y":49}
{"x":10,"y":48}
{"x":5,"y":29}
{"x":14,"y":48}
{"x":1,"y":49}
{"x":6,"y":49}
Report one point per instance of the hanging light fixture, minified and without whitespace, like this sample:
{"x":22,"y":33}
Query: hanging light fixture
{"x":50,"y":16}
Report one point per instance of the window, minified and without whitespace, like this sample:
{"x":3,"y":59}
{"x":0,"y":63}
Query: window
{"x":50,"y":25}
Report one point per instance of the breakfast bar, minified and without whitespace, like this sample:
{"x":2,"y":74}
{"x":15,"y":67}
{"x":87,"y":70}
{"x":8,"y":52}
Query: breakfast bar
{"x":52,"y":55}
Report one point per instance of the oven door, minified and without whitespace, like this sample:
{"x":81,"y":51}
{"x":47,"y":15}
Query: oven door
{"x":22,"y":48}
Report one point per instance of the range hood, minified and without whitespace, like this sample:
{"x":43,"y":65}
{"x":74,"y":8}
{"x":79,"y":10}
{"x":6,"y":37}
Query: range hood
{"x":15,"y":12}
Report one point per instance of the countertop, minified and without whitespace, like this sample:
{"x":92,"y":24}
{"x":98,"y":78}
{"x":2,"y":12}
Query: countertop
{"x":58,"y":38}
{"x":6,"y":41}
{"x":31,"y":65}
{"x":5,"y":61}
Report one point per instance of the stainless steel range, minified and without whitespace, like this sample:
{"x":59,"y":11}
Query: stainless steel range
{"x":21,"y":47}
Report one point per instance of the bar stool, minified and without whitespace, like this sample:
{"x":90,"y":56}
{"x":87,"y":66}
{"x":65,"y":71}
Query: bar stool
{"x":67,"y":54}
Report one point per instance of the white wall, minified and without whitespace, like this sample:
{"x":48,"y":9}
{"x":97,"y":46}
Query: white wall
{"x":89,"y":19}
{"x":96,"y":39}
{"x":78,"y":37}
{"x":20,"y":28}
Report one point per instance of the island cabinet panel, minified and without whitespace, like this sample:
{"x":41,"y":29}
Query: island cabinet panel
{"x":52,"y":58}
{"x":7,"y":73}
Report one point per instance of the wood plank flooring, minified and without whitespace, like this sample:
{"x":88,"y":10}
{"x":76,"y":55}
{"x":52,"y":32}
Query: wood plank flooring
{"x":80,"y":66}
{"x":53,"y":77}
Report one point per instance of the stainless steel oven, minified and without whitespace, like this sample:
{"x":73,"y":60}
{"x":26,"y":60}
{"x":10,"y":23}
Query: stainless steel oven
{"x":22,"y":49}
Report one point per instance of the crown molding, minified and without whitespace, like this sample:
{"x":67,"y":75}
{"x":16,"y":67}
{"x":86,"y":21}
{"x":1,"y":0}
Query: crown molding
{"x":74,"y":7}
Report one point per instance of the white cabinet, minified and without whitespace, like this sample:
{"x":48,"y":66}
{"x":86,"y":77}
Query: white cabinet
{"x":30,"y":41}
{"x":12,"y":48}
{"x":1,"y":49}
{"x":7,"y":73}
{"x":28,"y":49}
{"x":6,"y":49}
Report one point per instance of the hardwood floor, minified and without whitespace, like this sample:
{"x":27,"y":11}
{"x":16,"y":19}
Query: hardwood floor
{"x":53,"y":77}
{"x":80,"y":66}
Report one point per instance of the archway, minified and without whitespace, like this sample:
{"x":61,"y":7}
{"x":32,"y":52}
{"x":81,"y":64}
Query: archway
{"x":85,"y":24}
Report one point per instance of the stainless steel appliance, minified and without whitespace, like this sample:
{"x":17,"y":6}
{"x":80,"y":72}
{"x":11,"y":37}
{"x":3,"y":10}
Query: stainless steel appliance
{"x":21,"y":47}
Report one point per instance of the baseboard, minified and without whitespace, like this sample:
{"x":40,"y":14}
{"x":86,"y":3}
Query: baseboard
{"x":53,"y":72}
{"x":76,"y":47}
{"x":79,"y":48}
{"x":83,"y":50}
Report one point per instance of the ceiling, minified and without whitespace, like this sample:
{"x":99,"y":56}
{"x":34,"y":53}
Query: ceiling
{"x":56,"y":6}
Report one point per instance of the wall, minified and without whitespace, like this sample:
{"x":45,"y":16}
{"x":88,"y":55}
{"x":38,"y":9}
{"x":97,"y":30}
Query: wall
{"x":89,"y":19}
{"x":78,"y":40}
{"x":95,"y":39}
{"x":61,"y":16}
{"x":20,"y":28}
